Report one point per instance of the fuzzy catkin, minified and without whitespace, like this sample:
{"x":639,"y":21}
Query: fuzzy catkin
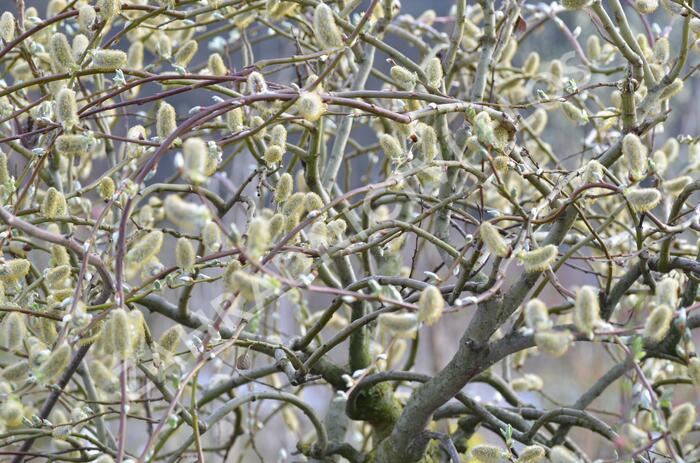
{"x":66,"y":108}
{"x":166,"y":121}
{"x":643,"y":199}
{"x":493,"y":240}
{"x":4,"y":170}
{"x":185,"y":255}
{"x":667,"y":292}
{"x":401,"y":325}
{"x":256,"y":83}
{"x":185,"y":53}
{"x":404,"y":79}
{"x":538,"y":260}
{"x":170,"y":339}
{"x":554,"y":343}
{"x":586,"y":310}
{"x":109,"y":59}
{"x":310,"y":106}
{"x":186,"y":215}
{"x":560,"y":454}
{"x":109,"y":8}
{"x":135,"y":56}
{"x":13,"y":331}
{"x":211,"y":236}
{"x":119,"y":333}
{"x":325,"y":28}
{"x":694,"y":370}
{"x":284,"y":187}
{"x":71,"y":145}
{"x":54,"y":365}
{"x":658,"y":323}
{"x":195,"y":159}
{"x":106,"y":188}
{"x":7,"y":26}
{"x":216,"y":65}
{"x":391,"y":146}
{"x":54,"y":204}
{"x":531,"y":454}
{"x":635,"y":155}
{"x":433,"y":72}
{"x":681,"y":420}
{"x":61,"y":53}
{"x":487,"y":453}
{"x":537,"y":315}
{"x":146,"y":247}
{"x":430,"y":305}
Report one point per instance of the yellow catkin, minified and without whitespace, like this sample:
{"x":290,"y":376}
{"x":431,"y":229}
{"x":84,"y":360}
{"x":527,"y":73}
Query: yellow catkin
{"x":13,"y":331}
{"x":529,"y":382}
{"x":310,"y":106}
{"x":487,"y":453}
{"x":164,"y":46}
{"x":109,"y":59}
{"x":593,"y":47}
{"x":211,"y":237}
{"x":537,"y":315}
{"x":391,"y":146}
{"x":216,"y":65}
{"x":493,"y":240}
{"x":428,"y":143}
{"x":646,"y":6}
{"x":61,"y":53}
{"x":575,"y":4}
{"x":57,"y":276}
{"x":560,"y":454}
{"x":135,"y":56}
{"x":574,"y":113}
{"x":103,"y":377}
{"x":531,"y":454}
{"x":146,"y":247}
{"x":256,"y":83}
{"x":5,"y":176}
{"x":86,"y":17}
{"x":635,"y":155}
{"x":681,"y":420}
{"x":80,"y":46}
{"x":186,"y":215}
{"x":325,"y":28}
{"x":14,"y":269}
{"x":532,"y":63}
{"x":71,"y":145}
{"x":246,"y":285}
{"x":234,"y":119}
{"x":109,"y":8}
{"x":185,"y":255}
{"x":66,"y":108}
{"x":7,"y":26}
{"x":166,"y":121}
{"x":54,"y":204}
{"x":554,"y":343}
{"x":185,"y":53}
{"x":694,"y":371}
{"x":54,"y":365}
{"x":430,"y":305}
{"x":676,"y":185}
{"x":404,"y":79}
{"x":284,"y":187}
{"x":106,"y":188}
{"x":667,"y":292}
{"x":538,"y":121}
{"x":195,"y":159}
{"x":540,"y":259}
{"x":12,"y":412}
{"x":312,"y":202}
{"x":120,"y":334}
{"x":16,"y":372}
{"x":433,"y":72}
{"x":401,"y":325}
{"x":643,"y":199}
{"x":170,"y":339}
{"x":273,"y":155}
{"x":278,"y":136}
{"x":658,"y":323}
{"x":672,"y":89}
{"x":587,"y":310}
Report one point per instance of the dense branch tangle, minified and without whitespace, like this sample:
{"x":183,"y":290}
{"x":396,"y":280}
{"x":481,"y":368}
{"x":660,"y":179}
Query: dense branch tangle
{"x":340,"y":183}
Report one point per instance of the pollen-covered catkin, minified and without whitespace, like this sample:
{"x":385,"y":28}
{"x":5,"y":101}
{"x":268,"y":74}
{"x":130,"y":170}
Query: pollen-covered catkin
{"x":66,"y":108}
{"x":694,"y":370}
{"x":646,"y":6}
{"x":211,"y":236}
{"x":54,"y":204}
{"x":109,"y":8}
{"x":681,"y":420}
{"x":672,"y":89}
{"x":186,"y":215}
{"x":256,"y":83}
{"x":401,"y":325}
{"x":554,"y":343}
{"x":433,"y":72}
{"x":195,"y":159}
{"x":13,"y":331}
{"x":57,"y":276}
{"x":538,"y":260}
{"x":284,"y":187}
{"x":487,"y":453}
{"x":273,"y":155}
{"x":185,"y":255}
{"x":586,"y":310}
{"x":531,"y":454}
{"x":234,"y":119}
{"x":71,"y":145}
{"x":493,"y":240}
{"x":170,"y":339}
{"x":16,"y":372}
{"x":537,"y":315}
{"x":391,"y":146}
{"x":310,"y":106}
{"x":166,"y":121}
{"x":109,"y":59}
{"x":14,"y":269}
{"x":54,"y":365}
{"x":658,"y":323}
{"x":325,"y":28}
{"x":675,"y":186}
{"x":430,"y":305}
{"x":635,"y":155}
{"x":61,"y":53}
{"x":7,"y":26}
{"x":404,"y":79}
{"x":185,"y":53}
{"x":216,"y":65}
{"x":86,"y":17}
{"x":106,"y":188}
{"x":643,"y":199}
{"x":146,"y":247}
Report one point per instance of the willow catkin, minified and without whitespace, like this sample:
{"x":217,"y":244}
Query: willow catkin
{"x":404,"y":79}
{"x":539,"y":260}
{"x":216,"y":65}
{"x":528,"y":382}
{"x":675,"y":186}
{"x":574,"y":113}
{"x":109,"y":59}
{"x":146,"y":247}
{"x":278,"y":136}
{"x":185,"y":53}
{"x":587,"y":310}
{"x":537,"y":315}
{"x":164,"y":46}
{"x":658,"y":323}
{"x":54,"y":204}
{"x":5,"y":176}
{"x":531,"y":454}
{"x":246,"y":285}
{"x":643,"y":199}
{"x":189,"y":216}
{"x":86,"y":17}
{"x":681,"y":420}
{"x":635,"y":155}
{"x":66,"y":108}
{"x":487,"y":453}
{"x":666,"y":292}
{"x":211,"y":237}
{"x":71,"y":145}
{"x":12,"y":412}
{"x":273,"y":155}
{"x":646,"y":6}
{"x":391,"y":146}
{"x":401,"y":325}
{"x":554,"y":343}
{"x":234,"y":119}
{"x":428,"y":143}
{"x":430,"y":305}
{"x":80,"y":46}
{"x":56,"y":277}
{"x":671,"y":90}
{"x":493,"y":240}
{"x":537,"y":121}
{"x":256,"y":83}
{"x":166,"y":121}
{"x":61,"y":53}
{"x":13,"y":331}
{"x":54,"y":365}
{"x":119,"y":333}
{"x":325,"y":28}
{"x":169,"y":341}
{"x":109,"y":8}
{"x":194,"y":151}
{"x":310,"y":106}
{"x":284,"y":187}
{"x":16,"y":372}
{"x":106,"y":188}
{"x":694,"y":370}
{"x":575,"y":4}
{"x":532,"y":63}
{"x":134,"y":58}
{"x":185,"y":255}
{"x":103,"y":377}
{"x":433,"y":72}
{"x":7,"y":26}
